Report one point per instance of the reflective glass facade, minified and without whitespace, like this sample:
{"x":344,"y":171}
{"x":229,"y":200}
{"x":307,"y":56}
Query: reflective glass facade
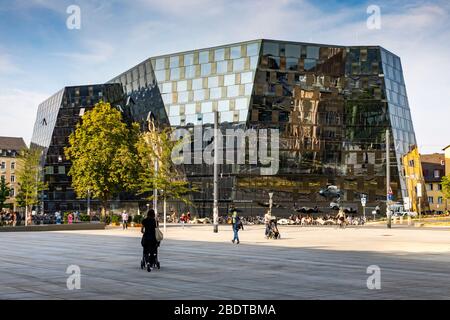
{"x":56,"y":120}
{"x":331,"y":104}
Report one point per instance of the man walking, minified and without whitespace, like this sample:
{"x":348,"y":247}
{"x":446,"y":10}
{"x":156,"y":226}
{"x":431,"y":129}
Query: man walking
{"x":236,"y":224}
{"x":124,"y":220}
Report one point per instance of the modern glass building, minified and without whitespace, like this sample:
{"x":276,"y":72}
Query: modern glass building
{"x":331,"y":104}
{"x":56,"y":119}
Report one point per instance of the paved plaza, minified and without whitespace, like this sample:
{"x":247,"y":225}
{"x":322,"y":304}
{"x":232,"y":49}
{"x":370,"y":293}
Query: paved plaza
{"x":307,"y":263}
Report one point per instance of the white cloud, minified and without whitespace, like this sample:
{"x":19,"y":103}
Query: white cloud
{"x":18,"y":112}
{"x":7,"y":66}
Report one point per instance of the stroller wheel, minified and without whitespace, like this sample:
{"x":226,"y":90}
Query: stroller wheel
{"x":149,"y":268}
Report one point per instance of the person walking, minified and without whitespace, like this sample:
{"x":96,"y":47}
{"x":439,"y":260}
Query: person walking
{"x":236,"y":224}
{"x":70,"y":218}
{"x":124,"y":220}
{"x":267,"y":221}
{"x":149,"y":242}
{"x":341,"y":218}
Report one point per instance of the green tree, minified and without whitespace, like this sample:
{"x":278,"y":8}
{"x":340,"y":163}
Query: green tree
{"x":153,"y":146}
{"x":5,"y":192}
{"x":30,"y":184}
{"x":102,"y":150}
{"x":446,"y":186}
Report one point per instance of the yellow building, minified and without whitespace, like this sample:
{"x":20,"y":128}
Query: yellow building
{"x":9,"y":163}
{"x":414,"y":176}
{"x":447,"y":160}
{"x":433,"y":166}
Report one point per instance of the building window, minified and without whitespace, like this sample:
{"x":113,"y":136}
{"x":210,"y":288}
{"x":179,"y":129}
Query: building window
{"x":12,"y":193}
{"x":439,"y":187}
{"x":13,"y":179}
{"x":430,"y":200}
{"x":440,"y":200}
{"x":437,"y":174}
{"x":430,"y":187}
{"x":3,"y":165}
{"x":13,"y":165}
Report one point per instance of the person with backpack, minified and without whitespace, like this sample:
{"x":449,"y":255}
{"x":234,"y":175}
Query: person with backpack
{"x":236,"y":223}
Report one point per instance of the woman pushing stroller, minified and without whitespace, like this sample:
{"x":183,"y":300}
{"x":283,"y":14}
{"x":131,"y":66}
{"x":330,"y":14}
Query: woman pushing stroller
{"x":149,"y":242}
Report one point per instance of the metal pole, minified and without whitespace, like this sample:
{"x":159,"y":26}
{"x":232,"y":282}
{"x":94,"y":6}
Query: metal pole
{"x":155,"y":191}
{"x":216,"y":173}
{"x":88,"y":203}
{"x":388,"y":178}
{"x":165,"y":215}
{"x":420,"y":208}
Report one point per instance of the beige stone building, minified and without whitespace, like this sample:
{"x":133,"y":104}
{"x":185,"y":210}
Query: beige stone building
{"x":9,"y":163}
{"x":433,"y":166}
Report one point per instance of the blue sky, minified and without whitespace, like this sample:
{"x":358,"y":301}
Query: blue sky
{"x":39,"y":55}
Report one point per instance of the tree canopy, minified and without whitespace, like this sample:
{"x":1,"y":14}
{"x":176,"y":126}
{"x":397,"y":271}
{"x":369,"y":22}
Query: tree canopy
{"x":4,"y":192}
{"x":28,"y":176}
{"x":102,"y":150}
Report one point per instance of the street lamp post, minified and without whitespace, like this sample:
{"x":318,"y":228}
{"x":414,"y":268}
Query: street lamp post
{"x":388,"y":179}
{"x":216,"y":174}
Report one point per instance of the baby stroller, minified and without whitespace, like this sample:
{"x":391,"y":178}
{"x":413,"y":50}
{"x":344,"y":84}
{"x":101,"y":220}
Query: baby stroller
{"x":273,"y":230}
{"x":150,"y":255}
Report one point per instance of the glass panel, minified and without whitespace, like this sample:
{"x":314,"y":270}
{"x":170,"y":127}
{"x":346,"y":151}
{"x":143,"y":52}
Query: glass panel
{"x":208,"y":118}
{"x":293,"y":50}
{"x":182,"y":85}
{"x":199,"y":95}
{"x":160,"y":64}
{"x":175,"y":74}
{"x":243,"y":115}
{"x":197,"y":84}
{"x":252,"y":49}
{"x":206,"y":107}
{"x":238,"y":65}
{"x":224,"y":105}
{"x":166,"y":87}
{"x":226,"y":116}
{"x":215,"y":93}
{"x":229,"y":80}
{"x":292,"y":64}
{"x":309,"y":64}
{"x":203,"y":57}
{"x":174,"y":62}
{"x":183,"y":96}
{"x":312,"y":52}
{"x":206,"y":70}
{"x":254,"y":62}
{"x":174,"y":110}
{"x":175,"y":121}
{"x":189,"y":59}
{"x":189,"y":108}
{"x":246,"y":77}
{"x":160,"y":75}
{"x":271,"y":48}
{"x":189,"y":72}
{"x":248,"y":89}
{"x":192,"y":118}
{"x":241,"y":104}
{"x":232,"y":91}
{"x":222,"y":66}
{"x":235,"y":52}
{"x":213,"y":82}
{"x":167,"y":98}
{"x":219,"y":55}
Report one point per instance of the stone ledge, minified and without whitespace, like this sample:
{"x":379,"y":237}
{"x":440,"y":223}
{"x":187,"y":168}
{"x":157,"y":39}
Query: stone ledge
{"x":55,"y":227}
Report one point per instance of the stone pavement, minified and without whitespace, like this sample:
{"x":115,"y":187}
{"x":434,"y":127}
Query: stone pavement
{"x":307,"y":263}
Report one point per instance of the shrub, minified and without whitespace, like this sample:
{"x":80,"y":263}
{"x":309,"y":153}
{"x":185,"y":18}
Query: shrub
{"x":85,"y":218}
{"x":115,"y":219}
{"x":138,"y":219}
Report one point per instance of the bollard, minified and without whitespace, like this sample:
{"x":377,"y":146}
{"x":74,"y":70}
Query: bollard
{"x":409,"y":220}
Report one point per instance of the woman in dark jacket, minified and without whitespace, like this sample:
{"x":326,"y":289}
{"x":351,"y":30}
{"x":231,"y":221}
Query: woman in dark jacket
{"x":149,"y":242}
